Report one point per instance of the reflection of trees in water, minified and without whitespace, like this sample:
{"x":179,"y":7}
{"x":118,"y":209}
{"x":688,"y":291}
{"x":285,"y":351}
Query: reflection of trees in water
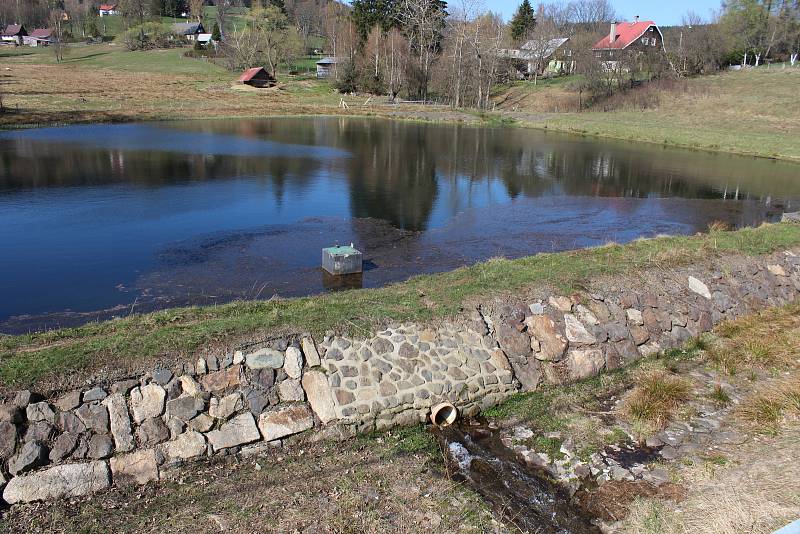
{"x":64,"y":165}
{"x":395,"y":169}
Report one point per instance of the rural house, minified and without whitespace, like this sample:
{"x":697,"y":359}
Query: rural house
{"x":625,"y":37}
{"x":108,"y":10}
{"x":39,"y":37}
{"x":534,"y":57}
{"x":326,"y":67}
{"x":189,"y":30}
{"x":257,"y":77}
{"x":14,"y":33}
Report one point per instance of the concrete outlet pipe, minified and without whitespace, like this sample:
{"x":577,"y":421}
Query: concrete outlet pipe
{"x":444,"y":414}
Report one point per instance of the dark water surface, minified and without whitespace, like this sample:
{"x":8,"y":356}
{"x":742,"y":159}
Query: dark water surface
{"x":98,"y":220}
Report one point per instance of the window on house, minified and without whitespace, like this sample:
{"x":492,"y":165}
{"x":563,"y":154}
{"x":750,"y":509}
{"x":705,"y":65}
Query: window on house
{"x":645,"y":41}
{"x":653,"y":41}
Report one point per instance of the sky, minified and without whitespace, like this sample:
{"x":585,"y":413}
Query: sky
{"x":663,"y":13}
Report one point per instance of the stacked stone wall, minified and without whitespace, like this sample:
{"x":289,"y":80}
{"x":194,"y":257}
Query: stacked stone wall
{"x":292,"y":388}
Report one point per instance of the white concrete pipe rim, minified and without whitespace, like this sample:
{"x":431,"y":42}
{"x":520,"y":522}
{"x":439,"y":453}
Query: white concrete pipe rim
{"x":444,"y":414}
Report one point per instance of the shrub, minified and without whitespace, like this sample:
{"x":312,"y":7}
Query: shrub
{"x":346,"y":81}
{"x":149,"y":36}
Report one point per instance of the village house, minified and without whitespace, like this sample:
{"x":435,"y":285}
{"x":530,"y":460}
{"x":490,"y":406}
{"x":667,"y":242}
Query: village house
{"x":39,"y":37}
{"x":537,"y":58}
{"x":326,"y":67}
{"x":257,"y":77}
{"x":639,"y":37}
{"x":107,"y":10}
{"x":189,"y":30}
{"x":14,"y":34}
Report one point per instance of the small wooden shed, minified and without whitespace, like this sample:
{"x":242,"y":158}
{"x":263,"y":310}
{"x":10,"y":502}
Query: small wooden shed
{"x":326,"y":67}
{"x":257,"y":77}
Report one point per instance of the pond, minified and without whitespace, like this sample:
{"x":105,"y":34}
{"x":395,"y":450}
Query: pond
{"x":104,"y":220}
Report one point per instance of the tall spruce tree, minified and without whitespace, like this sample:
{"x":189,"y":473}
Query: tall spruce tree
{"x":523,"y":22}
{"x":366,"y":14}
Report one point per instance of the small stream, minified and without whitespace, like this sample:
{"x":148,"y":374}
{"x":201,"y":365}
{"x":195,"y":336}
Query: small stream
{"x":520,"y":496}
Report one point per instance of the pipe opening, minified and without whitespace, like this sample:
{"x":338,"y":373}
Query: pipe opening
{"x":444,"y":414}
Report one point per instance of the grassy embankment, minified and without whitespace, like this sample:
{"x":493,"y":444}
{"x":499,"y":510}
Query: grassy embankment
{"x":396,"y":481}
{"x":136,"y":339}
{"x":752,"y":112}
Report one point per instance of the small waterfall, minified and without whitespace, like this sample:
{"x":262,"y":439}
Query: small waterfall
{"x":520,"y":496}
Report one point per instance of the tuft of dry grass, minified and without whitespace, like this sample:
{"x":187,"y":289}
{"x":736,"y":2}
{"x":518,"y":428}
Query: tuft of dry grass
{"x":654,"y":400}
{"x":766,"y":341}
{"x":767,"y":409}
{"x":719,"y":226}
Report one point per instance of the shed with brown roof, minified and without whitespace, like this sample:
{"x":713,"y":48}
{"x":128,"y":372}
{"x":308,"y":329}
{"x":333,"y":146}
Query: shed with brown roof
{"x":257,"y":77}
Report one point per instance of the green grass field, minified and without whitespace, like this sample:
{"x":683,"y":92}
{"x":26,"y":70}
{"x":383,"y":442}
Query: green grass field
{"x":180,"y":332}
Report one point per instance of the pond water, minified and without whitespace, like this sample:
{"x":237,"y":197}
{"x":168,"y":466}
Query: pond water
{"x":102,"y":220}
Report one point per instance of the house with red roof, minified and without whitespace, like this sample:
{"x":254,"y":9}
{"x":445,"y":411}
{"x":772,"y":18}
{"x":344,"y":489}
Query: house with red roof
{"x":39,"y":37}
{"x":14,"y":33}
{"x":629,"y":37}
{"x":108,"y":10}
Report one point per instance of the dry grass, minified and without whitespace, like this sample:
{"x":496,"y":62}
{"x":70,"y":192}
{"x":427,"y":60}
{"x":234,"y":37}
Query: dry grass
{"x":393,"y":482}
{"x":655,"y":399}
{"x":758,"y":494}
{"x":719,"y":226}
{"x":768,"y":408}
{"x":752,"y":112}
{"x":765,"y":341}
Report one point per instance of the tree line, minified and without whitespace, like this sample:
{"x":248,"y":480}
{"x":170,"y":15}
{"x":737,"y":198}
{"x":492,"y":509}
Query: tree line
{"x":453,"y":51}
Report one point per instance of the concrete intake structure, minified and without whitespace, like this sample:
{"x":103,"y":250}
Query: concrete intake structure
{"x":291,"y":388}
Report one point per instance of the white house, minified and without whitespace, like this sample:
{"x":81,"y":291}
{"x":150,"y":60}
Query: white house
{"x":108,"y":10}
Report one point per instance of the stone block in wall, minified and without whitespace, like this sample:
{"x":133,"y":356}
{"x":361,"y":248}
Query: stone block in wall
{"x":94,"y":417}
{"x":240,"y":430}
{"x":40,"y":411}
{"x":68,"y":480}
{"x":152,"y":431}
{"x":285,"y":422}
{"x":119,"y":422}
{"x":293,"y":362}
{"x":265,"y":358}
{"x":221,"y":381}
{"x":138,"y":467}
{"x":552,"y":344}
{"x":32,"y":454}
{"x":147,"y":402}
{"x":310,"y":351}
{"x":190,"y":444}
{"x":11,"y":413}
{"x":319,"y":395}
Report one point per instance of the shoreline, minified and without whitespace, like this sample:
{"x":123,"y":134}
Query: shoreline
{"x":476,"y":122}
{"x":124,"y":345}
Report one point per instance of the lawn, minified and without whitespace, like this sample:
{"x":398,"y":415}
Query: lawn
{"x":181,"y":332}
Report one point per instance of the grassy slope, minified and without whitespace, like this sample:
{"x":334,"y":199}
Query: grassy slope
{"x":751,"y":112}
{"x":180,"y":332}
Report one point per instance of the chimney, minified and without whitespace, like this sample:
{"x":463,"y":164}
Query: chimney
{"x":612,"y":35}
{"x":636,"y":19}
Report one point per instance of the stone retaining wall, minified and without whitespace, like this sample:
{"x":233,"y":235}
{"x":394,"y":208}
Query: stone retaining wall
{"x":293,"y":388}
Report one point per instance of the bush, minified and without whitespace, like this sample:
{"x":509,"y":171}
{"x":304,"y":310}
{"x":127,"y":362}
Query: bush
{"x":149,"y":36}
{"x":346,"y":81}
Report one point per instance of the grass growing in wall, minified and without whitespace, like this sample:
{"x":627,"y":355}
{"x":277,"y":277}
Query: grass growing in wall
{"x":180,"y":332}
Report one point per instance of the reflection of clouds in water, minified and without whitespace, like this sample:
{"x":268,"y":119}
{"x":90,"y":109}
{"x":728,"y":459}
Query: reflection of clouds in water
{"x":153,"y":138}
